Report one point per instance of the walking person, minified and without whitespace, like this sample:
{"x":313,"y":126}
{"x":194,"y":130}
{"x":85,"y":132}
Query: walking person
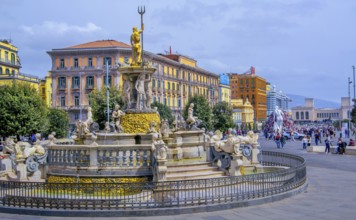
{"x":292,"y":136}
{"x":327,"y":144}
{"x":305,"y":142}
{"x":283,"y":141}
{"x":278,"y":140}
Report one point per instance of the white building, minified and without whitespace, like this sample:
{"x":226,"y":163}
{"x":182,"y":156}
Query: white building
{"x":276,"y":98}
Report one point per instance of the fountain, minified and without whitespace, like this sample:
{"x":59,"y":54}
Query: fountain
{"x":136,"y":161}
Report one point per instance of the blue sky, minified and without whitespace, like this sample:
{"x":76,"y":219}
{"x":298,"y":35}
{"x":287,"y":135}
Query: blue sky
{"x":304,"y":47}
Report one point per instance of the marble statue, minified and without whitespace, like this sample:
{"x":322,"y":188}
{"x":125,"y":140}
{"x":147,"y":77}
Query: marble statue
{"x":278,"y":117}
{"x":116,"y":115}
{"x":152,"y":128}
{"x":135,"y":41}
{"x":165,"y":128}
{"x":230,"y":145}
{"x":127,"y":93}
{"x":251,"y":138}
{"x":9,"y":146}
{"x":191,"y":119}
{"x":140,"y":88}
{"x":148,"y":91}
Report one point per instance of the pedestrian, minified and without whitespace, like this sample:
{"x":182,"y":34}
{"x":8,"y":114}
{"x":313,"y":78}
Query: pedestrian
{"x":283,"y":141}
{"x":327,"y":144}
{"x":292,"y":136}
{"x":278,"y":140}
{"x":309,"y":141}
{"x":340,"y":146}
{"x":316,"y":137}
{"x":305,"y":142}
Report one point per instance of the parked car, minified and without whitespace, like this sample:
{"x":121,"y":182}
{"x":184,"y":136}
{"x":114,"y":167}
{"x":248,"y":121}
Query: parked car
{"x":297,"y":136}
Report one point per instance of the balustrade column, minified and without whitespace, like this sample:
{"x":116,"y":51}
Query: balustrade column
{"x":93,"y":154}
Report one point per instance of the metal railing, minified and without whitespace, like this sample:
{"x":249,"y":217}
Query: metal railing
{"x":185,"y":193}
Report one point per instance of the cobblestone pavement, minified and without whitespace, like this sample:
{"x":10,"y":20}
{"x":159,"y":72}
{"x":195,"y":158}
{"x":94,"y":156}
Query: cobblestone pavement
{"x":331,"y":193}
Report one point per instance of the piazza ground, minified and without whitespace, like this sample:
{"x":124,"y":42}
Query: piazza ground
{"x":330,"y":194}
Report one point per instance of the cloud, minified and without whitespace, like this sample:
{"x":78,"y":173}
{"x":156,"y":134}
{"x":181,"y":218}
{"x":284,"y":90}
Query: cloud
{"x":59,"y":28}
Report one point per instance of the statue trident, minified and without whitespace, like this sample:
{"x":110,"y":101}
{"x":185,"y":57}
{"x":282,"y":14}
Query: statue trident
{"x":141,"y":11}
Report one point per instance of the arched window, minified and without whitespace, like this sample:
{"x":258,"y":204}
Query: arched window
{"x":12,"y":58}
{"x":297,"y":115}
{"x":302,"y":115}
{"x":0,"y":70}
{"x":7,"y":71}
{"x":307,"y":115}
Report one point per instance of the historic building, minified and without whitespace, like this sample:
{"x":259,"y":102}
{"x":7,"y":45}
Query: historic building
{"x":252,"y":87}
{"x":308,"y":113}
{"x":276,"y":98}
{"x":242,"y":113}
{"x":224,"y":89}
{"x":79,"y":69}
{"x":46,"y":89}
{"x":10,"y":67}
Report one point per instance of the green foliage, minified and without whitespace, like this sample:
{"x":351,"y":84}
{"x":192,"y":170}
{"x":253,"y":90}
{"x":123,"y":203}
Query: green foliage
{"x":222,"y":116}
{"x":98,"y":104}
{"x":164,"y":112}
{"x":202,"y":110}
{"x":58,"y":121}
{"x":22,"y":110}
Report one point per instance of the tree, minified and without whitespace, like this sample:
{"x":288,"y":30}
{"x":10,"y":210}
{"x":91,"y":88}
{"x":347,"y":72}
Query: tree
{"x":222,"y":113}
{"x":58,"y":121}
{"x":22,"y":110}
{"x":202,"y":110}
{"x":98,"y":104}
{"x":164,"y":111}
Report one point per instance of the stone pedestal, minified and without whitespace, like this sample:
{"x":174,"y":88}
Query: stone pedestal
{"x":236,"y":164}
{"x":161,"y":171}
{"x":254,"y":158}
{"x":21,"y":170}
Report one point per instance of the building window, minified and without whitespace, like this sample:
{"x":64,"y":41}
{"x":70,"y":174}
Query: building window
{"x":109,"y":80}
{"x":62,"y":64}
{"x":61,"y":82}
{"x":183,"y":88}
{"x":302,"y":115}
{"x":13,"y":72}
{"x":179,"y":103}
{"x":169,"y":102}
{"x":154,"y":99}
{"x":76,"y":116}
{"x":6,"y":56}
{"x":307,"y":115}
{"x":75,"y":82}
{"x":63,"y":101}
{"x":90,"y":82}
{"x":76,"y":100}
{"x":159,"y":84}
{"x":297,"y":115}
{"x":173,"y":86}
{"x":0,"y":70}
{"x":165,"y":101}
{"x":108,"y":59}
{"x":12,"y":58}
{"x":7,"y":71}
{"x":76,"y":64}
{"x":90,"y":62}
{"x":126,"y":59}
{"x":168,"y":85}
{"x":153,"y":83}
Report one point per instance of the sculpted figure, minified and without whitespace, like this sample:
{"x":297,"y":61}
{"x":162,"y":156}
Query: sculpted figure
{"x":9,"y":146}
{"x":230,"y":145}
{"x":141,"y":92}
{"x":116,"y":115}
{"x":165,"y":128}
{"x":278,"y":119}
{"x":127,"y":93}
{"x":152,"y":128}
{"x":251,"y":138}
{"x":216,"y":136}
{"x":148,"y":90}
{"x":191,"y":120}
{"x":136,"y":47}
{"x":107,"y":127}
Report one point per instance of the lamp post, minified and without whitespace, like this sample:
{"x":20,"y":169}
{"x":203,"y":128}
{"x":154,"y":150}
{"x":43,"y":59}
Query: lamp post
{"x":348,"y":112}
{"x":353,"y":68}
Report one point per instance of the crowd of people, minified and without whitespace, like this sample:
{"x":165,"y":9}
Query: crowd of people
{"x":314,"y":134}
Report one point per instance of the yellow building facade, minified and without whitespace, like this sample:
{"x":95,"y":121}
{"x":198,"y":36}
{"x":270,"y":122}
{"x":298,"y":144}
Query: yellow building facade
{"x":79,"y":69}
{"x":243,"y":111}
{"x":10,"y":67}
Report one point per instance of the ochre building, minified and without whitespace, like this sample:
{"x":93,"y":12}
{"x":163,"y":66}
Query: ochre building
{"x":10,"y":67}
{"x":79,"y":69}
{"x":252,"y":87}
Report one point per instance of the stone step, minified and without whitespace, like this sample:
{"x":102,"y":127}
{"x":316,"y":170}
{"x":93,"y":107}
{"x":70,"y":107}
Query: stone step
{"x":191,"y":176}
{"x":184,"y":166}
{"x":194,"y":169}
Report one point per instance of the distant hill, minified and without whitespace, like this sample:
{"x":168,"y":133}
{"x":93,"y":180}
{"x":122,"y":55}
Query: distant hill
{"x":298,"y":100}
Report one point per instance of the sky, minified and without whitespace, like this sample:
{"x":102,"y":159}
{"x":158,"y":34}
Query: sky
{"x":304,"y":47}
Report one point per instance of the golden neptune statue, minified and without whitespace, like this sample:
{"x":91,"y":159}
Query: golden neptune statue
{"x":136,"y":47}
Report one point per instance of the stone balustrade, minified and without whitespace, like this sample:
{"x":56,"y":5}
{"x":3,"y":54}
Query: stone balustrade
{"x":90,"y":160}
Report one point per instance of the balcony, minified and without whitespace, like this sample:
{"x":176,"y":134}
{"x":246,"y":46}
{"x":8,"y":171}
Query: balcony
{"x":62,"y":88}
{"x":10,"y":63}
{"x":75,"y":68}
